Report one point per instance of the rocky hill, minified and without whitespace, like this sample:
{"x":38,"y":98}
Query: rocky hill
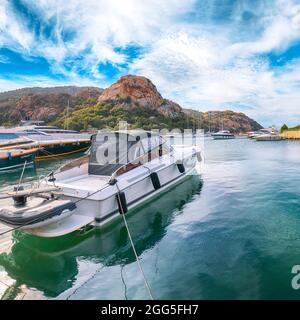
{"x":44,"y":104}
{"x":70,"y":90}
{"x":134,"y":99}
{"x":136,"y":91}
{"x":229,"y":120}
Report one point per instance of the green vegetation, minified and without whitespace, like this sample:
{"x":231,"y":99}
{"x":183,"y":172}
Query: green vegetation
{"x":284,"y":128}
{"x":84,"y":112}
{"x":110,"y":114}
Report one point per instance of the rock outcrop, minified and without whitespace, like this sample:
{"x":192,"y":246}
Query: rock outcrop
{"x":45,"y":104}
{"x":138,"y":91}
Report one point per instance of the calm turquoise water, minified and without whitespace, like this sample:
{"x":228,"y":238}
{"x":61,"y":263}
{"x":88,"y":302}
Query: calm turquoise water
{"x":234,"y":233}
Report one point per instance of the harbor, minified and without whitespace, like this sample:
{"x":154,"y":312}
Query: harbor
{"x":234,"y":229}
{"x":105,"y":221}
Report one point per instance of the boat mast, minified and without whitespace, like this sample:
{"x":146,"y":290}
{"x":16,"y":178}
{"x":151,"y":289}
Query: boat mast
{"x":67,"y":116}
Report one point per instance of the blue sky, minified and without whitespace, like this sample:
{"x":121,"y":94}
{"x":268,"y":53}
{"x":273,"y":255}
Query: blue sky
{"x":204,"y":54}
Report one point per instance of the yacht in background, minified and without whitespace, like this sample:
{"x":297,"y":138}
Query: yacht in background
{"x":254,"y":134}
{"x":50,"y":141}
{"x":38,"y":131}
{"x":269,"y":134}
{"x":222,"y":135}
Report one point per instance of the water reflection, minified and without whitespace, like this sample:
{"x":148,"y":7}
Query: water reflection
{"x":51,"y":265}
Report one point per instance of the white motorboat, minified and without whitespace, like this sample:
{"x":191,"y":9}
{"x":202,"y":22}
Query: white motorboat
{"x":222,"y":135}
{"x":122,"y":170}
{"x":273,"y":136}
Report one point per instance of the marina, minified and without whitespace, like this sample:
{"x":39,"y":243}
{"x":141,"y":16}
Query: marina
{"x":237,"y":206}
{"x":149,"y":151}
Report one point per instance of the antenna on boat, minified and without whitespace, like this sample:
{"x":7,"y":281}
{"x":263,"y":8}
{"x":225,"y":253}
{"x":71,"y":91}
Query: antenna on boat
{"x":66,"y":125}
{"x":68,"y":113}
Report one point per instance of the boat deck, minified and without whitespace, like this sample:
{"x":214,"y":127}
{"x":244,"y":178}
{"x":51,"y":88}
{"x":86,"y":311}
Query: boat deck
{"x":85,"y":182}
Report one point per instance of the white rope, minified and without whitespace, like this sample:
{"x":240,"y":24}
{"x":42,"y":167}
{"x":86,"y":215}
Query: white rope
{"x":137,"y":258}
{"x":134,"y":251}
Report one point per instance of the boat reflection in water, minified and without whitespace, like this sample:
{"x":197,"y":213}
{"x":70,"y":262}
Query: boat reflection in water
{"x":51,"y":265}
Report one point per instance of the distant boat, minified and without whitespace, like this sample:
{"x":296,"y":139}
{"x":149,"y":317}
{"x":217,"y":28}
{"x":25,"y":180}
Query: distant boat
{"x":223,"y":135}
{"x":51,"y":141}
{"x":254,"y":134}
{"x":37,"y":131}
{"x":269,"y":137}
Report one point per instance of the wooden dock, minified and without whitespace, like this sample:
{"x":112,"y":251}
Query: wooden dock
{"x":292,"y":135}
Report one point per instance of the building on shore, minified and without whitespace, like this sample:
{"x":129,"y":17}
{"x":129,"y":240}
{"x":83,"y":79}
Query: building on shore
{"x":293,"y":134}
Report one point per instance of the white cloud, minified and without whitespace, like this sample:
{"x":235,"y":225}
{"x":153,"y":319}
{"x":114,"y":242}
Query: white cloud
{"x":211,"y":69}
{"x":191,"y":57}
{"x":98,"y":27}
{"x":12,"y":29}
{"x":41,"y":81}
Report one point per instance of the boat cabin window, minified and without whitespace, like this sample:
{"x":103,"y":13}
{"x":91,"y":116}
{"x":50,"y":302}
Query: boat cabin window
{"x":121,"y":152}
{"x":109,"y":152}
{"x":152,"y":143}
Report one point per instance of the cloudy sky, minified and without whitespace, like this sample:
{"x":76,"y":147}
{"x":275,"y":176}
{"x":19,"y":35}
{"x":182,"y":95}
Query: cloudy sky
{"x":205,"y":54}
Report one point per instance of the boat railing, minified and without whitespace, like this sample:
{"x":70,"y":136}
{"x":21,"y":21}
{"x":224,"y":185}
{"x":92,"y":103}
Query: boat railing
{"x":139,"y":161}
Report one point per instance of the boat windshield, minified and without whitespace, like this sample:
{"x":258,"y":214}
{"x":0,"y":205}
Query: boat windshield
{"x":111,"y":152}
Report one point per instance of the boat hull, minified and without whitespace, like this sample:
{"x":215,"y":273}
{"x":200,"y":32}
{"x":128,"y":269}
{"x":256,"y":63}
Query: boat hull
{"x":136,"y":187}
{"x":48,"y":152}
{"x":269,"y":138}
{"x":16,"y":162}
{"x":81,"y":217}
{"x":222,"y":137}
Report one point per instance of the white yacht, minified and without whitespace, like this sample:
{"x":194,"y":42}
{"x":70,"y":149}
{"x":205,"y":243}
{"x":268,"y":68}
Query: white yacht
{"x":222,"y":135}
{"x":37,"y":131}
{"x":93,"y":190}
{"x":273,"y":136}
{"x":51,"y":142}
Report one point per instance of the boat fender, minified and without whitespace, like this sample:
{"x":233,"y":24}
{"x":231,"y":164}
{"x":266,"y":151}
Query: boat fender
{"x":181,"y":167}
{"x":155,"y":180}
{"x":199,"y":156}
{"x":122,"y":203}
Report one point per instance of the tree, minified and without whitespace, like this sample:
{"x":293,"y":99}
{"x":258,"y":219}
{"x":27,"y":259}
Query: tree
{"x":284,"y":128}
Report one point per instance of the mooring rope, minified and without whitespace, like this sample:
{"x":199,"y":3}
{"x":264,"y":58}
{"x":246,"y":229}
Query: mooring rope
{"x":137,"y":258}
{"x":134,"y":250}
